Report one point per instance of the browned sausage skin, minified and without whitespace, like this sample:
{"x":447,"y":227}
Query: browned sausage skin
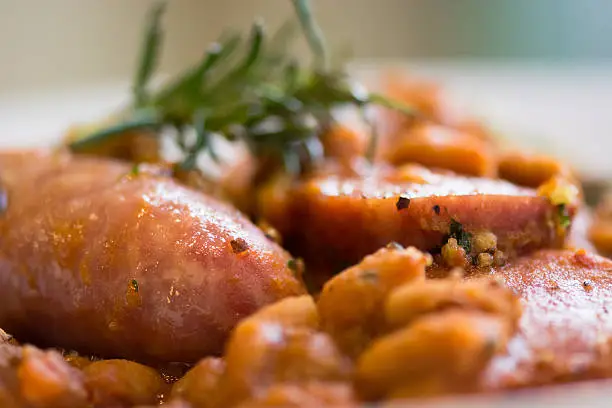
{"x":338,"y":220}
{"x":126,"y":263}
{"x":565,"y":332}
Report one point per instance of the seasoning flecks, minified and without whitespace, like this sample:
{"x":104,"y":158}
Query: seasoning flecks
{"x":436,"y":209}
{"x":239,"y":245}
{"x":134,"y":285}
{"x":464,"y":238}
{"x":296,"y":266}
{"x":132,"y":295}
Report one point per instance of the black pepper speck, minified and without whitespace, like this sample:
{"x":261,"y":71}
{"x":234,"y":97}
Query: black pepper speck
{"x":402,"y":203}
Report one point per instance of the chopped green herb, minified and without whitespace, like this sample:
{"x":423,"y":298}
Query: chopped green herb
{"x":402,"y":203}
{"x":564,"y":218}
{"x":247,"y":88}
{"x":296,"y":266}
{"x":134,"y":285}
{"x":135,"y":169}
{"x":464,"y":238}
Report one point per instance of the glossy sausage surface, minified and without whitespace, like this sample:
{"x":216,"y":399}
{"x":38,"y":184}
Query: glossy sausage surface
{"x":340,"y":220}
{"x":104,"y":259}
{"x":565,"y":333}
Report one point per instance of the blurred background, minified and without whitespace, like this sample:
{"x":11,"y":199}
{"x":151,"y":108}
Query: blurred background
{"x":45,"y":43}
{"x":538,"y":70}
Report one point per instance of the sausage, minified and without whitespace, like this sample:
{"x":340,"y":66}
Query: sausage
{"x":565,"y":333}
{"x":339,"y":220}
{"x":98,"y":257}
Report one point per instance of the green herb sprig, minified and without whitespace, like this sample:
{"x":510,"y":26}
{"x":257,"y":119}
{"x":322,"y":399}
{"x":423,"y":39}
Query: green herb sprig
{"x":464,"y":238}
{"x":251,"y":89}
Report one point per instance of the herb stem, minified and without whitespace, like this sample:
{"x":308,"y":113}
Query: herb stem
{"x":313,"y":33}
{"x":149,"y":55}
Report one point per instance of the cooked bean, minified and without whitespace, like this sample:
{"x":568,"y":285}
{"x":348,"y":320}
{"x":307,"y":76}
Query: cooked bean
{"x":343,"y":143}
{"x":452,"y":348}
{"x":600,"y":230}
{"x":199,"y":386}
{"x":299,"y":311}
{"x":413,"y":300}
{"x":260,"y":354}
{"x":310,"y":395}
{"x":445,"y":148}
{"x":351,"y":303}
{"x":528,"y":169}
{"x":32,"y":378}
{"x":122,"y":383}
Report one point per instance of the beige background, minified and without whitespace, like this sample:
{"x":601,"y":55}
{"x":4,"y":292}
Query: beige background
{"x":65,"y":41}
{"x":55,"y":42}
{"x":539,"y":77}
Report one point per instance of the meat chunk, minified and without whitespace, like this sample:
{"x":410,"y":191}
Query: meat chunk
{"x":565,"y":332}
{"x":339,"y":220}
{"x":106,"y":259}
